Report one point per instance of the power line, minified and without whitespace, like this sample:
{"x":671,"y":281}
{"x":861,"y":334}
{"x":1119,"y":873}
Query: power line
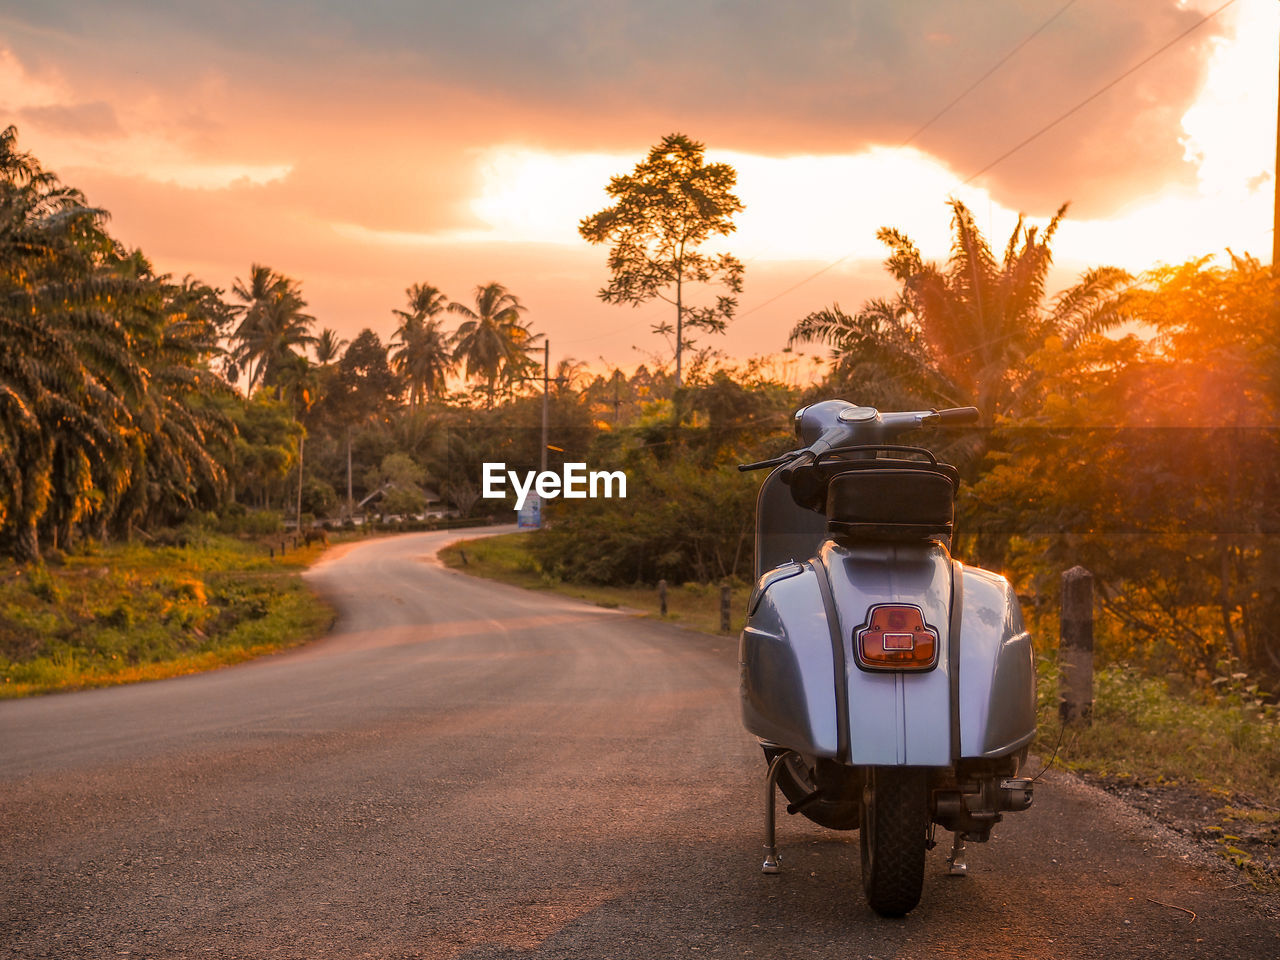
{"x":923,"y":127}
{"x":795,"y":286}
{"x":999,"y":63}
{"x":1100,"y":91}
{"x":1008,"y":153}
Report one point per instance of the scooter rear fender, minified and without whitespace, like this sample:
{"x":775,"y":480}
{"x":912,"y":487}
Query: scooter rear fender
{"x":997,"y":669}
{"x":894,"y":718}
{"x":786,"y":663}
{"x":978,"y":702}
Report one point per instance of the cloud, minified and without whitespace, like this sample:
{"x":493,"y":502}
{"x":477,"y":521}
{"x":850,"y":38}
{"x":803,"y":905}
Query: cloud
{"x":825,"y":76}
{"x":364,"y":146}
{"x":96,"y":119}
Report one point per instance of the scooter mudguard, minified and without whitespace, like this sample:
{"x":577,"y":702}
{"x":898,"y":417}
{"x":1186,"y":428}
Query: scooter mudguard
{"x":978,"y":701}
{"x":788,"y":675}
{"x":997,"y":669}
{"x":894,"y":718}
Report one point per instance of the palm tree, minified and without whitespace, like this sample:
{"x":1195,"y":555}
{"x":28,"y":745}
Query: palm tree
{"x":67,"y":371}
{"x":104,"y":372}
{"x":492,"y":342}
{"x":425,"y":301}
{"x":263,"y":284}
{"x":328,"y":346}
{"x":569,"y":376}
{"x":423,"y":355}
{"x":271,"y":325}
{"x":959,"y":333}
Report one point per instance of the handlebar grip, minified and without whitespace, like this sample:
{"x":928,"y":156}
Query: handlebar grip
{"x":766,"y":464}
{"x":806,"y":458}
{"x":958,"y":415}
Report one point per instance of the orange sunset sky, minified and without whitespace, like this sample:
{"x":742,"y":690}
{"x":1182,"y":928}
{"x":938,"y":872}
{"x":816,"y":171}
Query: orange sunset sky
{"x":364,"y":146}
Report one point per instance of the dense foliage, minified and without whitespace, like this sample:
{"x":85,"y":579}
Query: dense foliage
{"x":1130,"y":428}
{"x":108,"y":408}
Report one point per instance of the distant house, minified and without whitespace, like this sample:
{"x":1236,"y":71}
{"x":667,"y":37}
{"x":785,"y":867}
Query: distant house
{"x":435,"y":505}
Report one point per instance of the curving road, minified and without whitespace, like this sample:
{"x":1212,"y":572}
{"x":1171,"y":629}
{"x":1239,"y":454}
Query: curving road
{"x":466,"y":770}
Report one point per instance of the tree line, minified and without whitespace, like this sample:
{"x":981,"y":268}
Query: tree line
{"x":1128,"y":419}
{"x":1129,"y":425}
{"x":118,"y":403}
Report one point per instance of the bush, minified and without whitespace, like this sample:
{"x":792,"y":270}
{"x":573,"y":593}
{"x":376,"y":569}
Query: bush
{"x":678,"y":523}
{"x":253,"y":523}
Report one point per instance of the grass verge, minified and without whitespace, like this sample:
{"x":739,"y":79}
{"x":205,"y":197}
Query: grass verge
{"x":505,"y":559}
{"x":1205,"y":762}
{"x":131,"y":612}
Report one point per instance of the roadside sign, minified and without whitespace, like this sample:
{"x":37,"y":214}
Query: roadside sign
{"x":529,"y":517}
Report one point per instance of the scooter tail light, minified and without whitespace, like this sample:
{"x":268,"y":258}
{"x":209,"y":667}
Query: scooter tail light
{"x":896,"y":637}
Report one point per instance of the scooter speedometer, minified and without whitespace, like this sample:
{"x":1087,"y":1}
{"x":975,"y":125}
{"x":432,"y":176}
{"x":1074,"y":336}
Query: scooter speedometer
{"x":858,"y":414}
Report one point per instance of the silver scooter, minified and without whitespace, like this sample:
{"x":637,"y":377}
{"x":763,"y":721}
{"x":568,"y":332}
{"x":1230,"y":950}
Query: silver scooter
{"x":892,"y":687}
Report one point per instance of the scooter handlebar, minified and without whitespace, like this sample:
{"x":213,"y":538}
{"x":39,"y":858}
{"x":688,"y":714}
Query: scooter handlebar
{"x":767,"y":464}
{"x":954,"y":416}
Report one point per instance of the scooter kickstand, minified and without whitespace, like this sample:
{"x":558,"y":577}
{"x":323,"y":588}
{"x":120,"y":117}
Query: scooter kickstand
{"x":958,"y":866}
{"x":771,"y":858}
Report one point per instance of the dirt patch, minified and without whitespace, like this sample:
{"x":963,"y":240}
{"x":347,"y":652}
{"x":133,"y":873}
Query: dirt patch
{"x":1240,"y":829}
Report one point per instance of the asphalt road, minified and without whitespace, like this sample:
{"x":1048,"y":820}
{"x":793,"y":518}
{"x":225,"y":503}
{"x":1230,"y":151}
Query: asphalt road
{"x":465,"y":770}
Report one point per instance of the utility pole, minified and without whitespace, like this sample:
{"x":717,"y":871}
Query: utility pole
{"x":1275,"y":182}
{"x":546,"y":397}
{"x":302,"y":438}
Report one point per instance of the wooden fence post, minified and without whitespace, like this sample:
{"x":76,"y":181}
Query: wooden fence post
{"x":1075,"y":647}
{"x":724,"y":607}
{"x":662,"y":597}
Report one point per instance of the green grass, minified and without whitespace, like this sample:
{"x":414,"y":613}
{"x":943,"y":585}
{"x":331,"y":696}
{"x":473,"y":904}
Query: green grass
{"x":133,"y":612}
{"x":1223,"y":740}
{"x":505,"y":559}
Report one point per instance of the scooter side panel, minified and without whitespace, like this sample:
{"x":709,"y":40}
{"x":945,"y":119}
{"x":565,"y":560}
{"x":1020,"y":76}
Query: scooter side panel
{"x":788,"y":680}
{"x":997,"y":669}
{"x":894,"y":718}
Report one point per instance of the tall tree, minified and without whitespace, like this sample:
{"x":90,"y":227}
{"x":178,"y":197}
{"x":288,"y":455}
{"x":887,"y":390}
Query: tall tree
{"x":67,"y":373}
{"x":328,"y":346}
{"x":423,"y":355}
{"x":961,"y":332}
{"x":664,"y":211}
{"x":366,"y":387}
{"x":492,"y":342}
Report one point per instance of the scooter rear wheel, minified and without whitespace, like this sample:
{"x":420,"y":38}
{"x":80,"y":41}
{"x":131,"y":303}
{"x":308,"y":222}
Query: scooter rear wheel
{"x":895,"y":823}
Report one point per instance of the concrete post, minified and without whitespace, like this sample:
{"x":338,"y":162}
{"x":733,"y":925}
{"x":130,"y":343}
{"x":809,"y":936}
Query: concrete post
{"x":724,"y":607}
{"x":1075,"y":647}
{"x":662,"y":597}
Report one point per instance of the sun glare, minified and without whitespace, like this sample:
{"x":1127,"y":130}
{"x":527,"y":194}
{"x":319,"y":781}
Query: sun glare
{"x":825,"y":208}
